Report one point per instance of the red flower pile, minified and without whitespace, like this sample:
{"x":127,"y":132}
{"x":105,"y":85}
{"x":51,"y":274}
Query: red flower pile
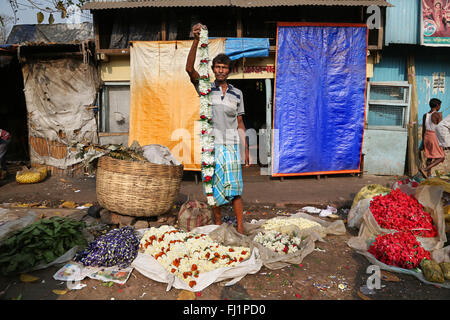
{"x":400,"y":249}
{"x":401,"y":212}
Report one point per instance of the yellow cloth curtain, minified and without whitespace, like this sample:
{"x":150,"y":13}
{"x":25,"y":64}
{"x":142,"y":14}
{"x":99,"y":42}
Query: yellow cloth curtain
{"x":164,"y":106}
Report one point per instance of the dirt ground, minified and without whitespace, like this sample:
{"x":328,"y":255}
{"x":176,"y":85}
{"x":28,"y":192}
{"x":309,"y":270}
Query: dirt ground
{"x":332,"y":272}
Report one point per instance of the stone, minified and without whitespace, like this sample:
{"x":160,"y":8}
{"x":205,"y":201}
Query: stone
{"x":105,"y":216}
{"x":155,"y":224}
{"x":109,"y":217}
{"x":162,"y":219}
{"x":171,"y":221}
{"x":141,"y":224}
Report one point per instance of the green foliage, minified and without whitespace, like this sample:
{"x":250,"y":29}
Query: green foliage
{"x":40,"y":243}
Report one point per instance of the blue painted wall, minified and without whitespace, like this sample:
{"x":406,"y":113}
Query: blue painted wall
{"x":428,"y":60}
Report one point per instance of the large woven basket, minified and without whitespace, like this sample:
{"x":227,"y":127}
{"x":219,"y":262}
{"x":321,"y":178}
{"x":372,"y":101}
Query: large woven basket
{"x":137,"y":188}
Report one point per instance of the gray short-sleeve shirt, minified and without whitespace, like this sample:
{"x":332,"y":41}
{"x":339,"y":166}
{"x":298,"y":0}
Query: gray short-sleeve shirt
{"x":226,"y":108}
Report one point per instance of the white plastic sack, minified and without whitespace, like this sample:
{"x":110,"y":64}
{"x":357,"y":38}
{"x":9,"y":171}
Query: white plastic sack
{"x":151,"y":268}
{"x":158,"y":154}
{"x":273,"y":260}
{"x":17,"y":224}
{"x":356,"y":213}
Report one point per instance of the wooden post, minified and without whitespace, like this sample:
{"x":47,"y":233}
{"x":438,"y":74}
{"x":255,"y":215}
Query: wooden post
{"x":96,"y":32}
{"x":163,"y":26}
{"x":239,"y":23}
{"x":413,"y":150}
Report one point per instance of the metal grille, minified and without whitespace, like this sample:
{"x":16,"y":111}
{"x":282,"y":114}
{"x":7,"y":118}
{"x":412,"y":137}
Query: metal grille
{"x":388,"y":93}
{"x":380,"y":115}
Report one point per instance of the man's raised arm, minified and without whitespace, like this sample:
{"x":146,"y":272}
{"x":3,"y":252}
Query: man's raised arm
{"x":193,"y":74}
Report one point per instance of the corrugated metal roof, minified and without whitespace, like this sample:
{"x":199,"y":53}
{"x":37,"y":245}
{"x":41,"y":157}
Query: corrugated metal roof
{"x":115,"y":4}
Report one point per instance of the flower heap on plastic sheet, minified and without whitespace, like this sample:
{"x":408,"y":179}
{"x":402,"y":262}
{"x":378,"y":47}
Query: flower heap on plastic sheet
{"x":401,"y":212}
{"x":187,"y":254}
{"x":301,"y":223}
{"x":206,"y":137}
{"x":400,"y":249}
{"x":278,"y":242}
{"x":118,"y":247}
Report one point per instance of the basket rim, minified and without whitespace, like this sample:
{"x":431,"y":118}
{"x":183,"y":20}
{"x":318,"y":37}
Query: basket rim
{"x":143,"y":162}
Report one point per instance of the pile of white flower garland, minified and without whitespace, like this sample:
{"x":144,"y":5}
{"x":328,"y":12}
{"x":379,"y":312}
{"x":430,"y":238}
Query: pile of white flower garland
{"x":207,"y":137}
{"x":301,"y":223}
{"x":187,"y":254}
{"x":278,"y":242}
{"x":274,"y":239}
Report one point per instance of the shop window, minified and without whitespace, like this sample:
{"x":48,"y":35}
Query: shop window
{"x":387,"y":105}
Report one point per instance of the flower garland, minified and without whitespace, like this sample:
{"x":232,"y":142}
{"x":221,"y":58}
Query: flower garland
{"x":187,"y":254}
{"x":278,"y":242}
{"x":301,"y":223}
{"x":399,"y":249}
{"x":207,"y":137}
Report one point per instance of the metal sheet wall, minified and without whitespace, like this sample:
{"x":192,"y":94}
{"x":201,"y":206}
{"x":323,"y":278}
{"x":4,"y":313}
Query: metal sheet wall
{"x":403,"y":22}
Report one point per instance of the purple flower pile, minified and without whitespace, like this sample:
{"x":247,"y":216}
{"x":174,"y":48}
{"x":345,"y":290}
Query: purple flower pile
{"x":118,"y":247}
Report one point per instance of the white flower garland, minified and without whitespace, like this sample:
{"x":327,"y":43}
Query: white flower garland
{"x":186,"y":254}
{"x":301,"y":223}
{"x":278,"y":242}
{"x":207,"y":137}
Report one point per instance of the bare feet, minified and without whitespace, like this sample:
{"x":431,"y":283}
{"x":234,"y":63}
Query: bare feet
{"x":423,"y":172}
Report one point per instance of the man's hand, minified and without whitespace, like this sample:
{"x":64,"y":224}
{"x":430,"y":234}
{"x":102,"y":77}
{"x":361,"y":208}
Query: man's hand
{"x":196,"y":30}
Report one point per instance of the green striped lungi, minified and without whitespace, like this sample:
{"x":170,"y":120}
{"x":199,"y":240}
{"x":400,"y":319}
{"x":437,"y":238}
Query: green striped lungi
{"x":227,"y":180}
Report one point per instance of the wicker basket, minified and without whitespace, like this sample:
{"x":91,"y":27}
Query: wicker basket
{"x":137,"y":188}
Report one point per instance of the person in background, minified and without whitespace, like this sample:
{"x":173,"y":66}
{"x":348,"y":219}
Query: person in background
{"x":228,"y":125}
{"x":433,"y":151}
{"x":5,"y":139}
{"x":443,"y":133}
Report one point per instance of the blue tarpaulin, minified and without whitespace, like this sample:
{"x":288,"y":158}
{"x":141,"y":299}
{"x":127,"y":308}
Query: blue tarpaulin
{"x":319,"y":99}
{"x":237,"y":48}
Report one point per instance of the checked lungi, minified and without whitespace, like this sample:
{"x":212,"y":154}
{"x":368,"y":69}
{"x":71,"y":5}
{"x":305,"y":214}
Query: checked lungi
{"x":227,"y":180}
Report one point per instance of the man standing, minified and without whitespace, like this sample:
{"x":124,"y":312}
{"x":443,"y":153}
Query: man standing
{"x":228,"y":126}
{"x":443,"y":133}
{"x":5,"y":139}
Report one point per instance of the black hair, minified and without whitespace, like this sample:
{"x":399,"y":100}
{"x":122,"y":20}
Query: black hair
{"x":221,"y":58}
{"x":434,"y":103}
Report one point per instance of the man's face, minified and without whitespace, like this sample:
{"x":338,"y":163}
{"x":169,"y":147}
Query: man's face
{"x":221,"y":71}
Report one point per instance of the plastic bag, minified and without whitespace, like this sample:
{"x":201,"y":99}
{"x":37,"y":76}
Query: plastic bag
{"x":33,"y":175}
{"x":151,"y":268}
{"x":445,"y":267}
{"x":408,"y":186}
{"x":158,"y":154}
{"x":432,"y":271}
{"x":369,"y":192}
{"x":436,"y":182}
{"x":17,"y":224}
{"x":356,"y":213}
{"x":194,"y":214}
{"x":273,"y":260}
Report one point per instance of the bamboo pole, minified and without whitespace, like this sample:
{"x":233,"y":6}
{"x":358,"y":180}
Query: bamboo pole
{"x":413,"y":151}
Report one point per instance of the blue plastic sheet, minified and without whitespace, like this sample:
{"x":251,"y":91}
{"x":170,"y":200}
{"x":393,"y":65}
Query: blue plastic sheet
{"x":319,"y":99}
{"x":237,"y":48}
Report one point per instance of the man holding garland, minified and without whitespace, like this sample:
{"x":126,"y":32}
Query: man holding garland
{"x":227,"y":105}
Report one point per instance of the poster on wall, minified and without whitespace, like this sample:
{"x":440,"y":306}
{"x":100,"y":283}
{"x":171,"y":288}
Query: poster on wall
{"x":435,"y":22}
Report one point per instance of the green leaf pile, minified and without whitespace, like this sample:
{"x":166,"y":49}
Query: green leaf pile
{"x":40,"y":243}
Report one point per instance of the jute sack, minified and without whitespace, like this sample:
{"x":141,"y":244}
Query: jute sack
{"x":194,"y":214}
